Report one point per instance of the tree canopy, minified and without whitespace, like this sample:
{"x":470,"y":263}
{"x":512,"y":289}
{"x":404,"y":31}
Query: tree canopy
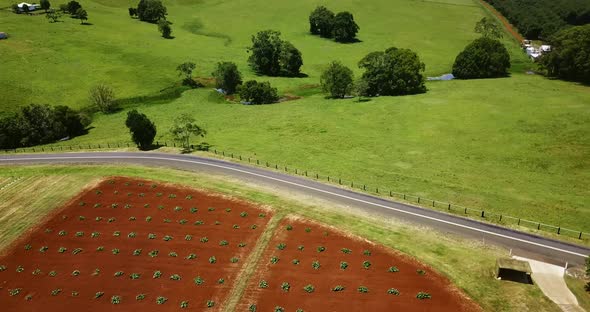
{"x":337,"y":80}
{"x":569,"y":58}
{"x":73,"y":7}
{"x":345,"y":28}
{"x":143,"y":130}
{"x":272,"y":56}
{"x":321,"y":22}
{"x":255,"y":92}
{"x":45,"y":5}
{"x":185,"y":126}
{"x":151,"y":10}
{"x":227,"y":77}
{"x":186,"y":69}
{"x":82,"y":15}
{"x":483,"y":58}
{"x":488,"y":28}
{"x":164,"y":28}
{"x":393,"y":72}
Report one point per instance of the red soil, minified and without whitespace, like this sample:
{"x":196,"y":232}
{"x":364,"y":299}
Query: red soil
{"x":40,"y":286}
{"x":376,"y":278}
{"x":505,"y":22}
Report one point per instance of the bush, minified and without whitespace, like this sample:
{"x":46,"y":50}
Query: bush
{"x":103,"y":97}
{"x":227,"y":77}
{"x":393,"y":72}
{"x":345,"y":29}
{"x":570,"y":55}
{"x":164,"y":28}
{"x":151,"y":11}
{"x":337,"y":80}
{"x":143,"y":130}
{"x":258,"y":92}
{"x":272,"y":56}
{"x":321,"y":22}
{"x":73,"y":6}
{"x":45,"y":5}
{"x":483,"y":58}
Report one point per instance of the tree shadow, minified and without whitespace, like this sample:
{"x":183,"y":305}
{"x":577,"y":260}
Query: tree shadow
{"x":169,"y":37}
{"x":86,"y":24}
{"x":351,"y":41}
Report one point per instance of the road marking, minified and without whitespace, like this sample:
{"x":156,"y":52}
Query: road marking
{"x":307,"y":187}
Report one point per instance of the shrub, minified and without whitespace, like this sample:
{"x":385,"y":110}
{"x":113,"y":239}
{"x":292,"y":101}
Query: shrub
{"x":199,"y":281}
{"x":321,"y":22}
{"x":309,"y":288}
{"x":151,"y":10}
{"x":263,"y":284}
{"x":570,"y":55}
{"x":186,"y":69}
{"x":423,"y":295}
{"x":115,"y":299}
{"x":338,"y":288}
{"x":103,"y":97}
{"x":393,"y":291}
{"x":345,"y":28}
{"x":258,"y":92}
{"x":143,"y":130}
{"x":483,"y":58}
{"x":227,"y":77}
{"x":285,"y":286}
{"x":73,"y":7}
{"x":164,"y":28}
{"x":337,"y":80}
{"x":161,"y":300}
{"x":363,"y":289}
{"x":393,"y":72}
{"x":157,"y":274}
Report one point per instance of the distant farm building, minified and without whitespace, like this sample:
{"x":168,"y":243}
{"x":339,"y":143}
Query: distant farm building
{"x":535,"y":52}
{"x":3,"y":35}
{"x":32,"y":7}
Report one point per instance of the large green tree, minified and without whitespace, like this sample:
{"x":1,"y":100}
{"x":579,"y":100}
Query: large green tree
{"x":254,"y":92}
{"x":185,"y":126}
{"x":143,"y":130}
{"x":483,"y":58}
{"x":393,"y":72}
{"x":269,"y":55}
{"x":337,"y":80}
{"x":345,"y":28}
{"x":73,"y":7}
{"x":227,"y":77}
{"x":570,"y":55}
{"x":488,"y":28}
{"x":290,"y":59}
{"x":151,"y":10}
{"x":321,"y":22}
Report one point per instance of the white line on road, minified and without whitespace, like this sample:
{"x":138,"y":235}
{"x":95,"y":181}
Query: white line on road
{"x":306,"y":187}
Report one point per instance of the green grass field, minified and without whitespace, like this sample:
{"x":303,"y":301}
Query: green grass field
{"x":517,"y":146}
{"x":468,"y":264}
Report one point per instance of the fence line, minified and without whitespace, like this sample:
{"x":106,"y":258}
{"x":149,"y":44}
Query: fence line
{"x":492,"y":217}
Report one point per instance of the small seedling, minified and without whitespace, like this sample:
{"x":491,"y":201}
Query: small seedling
{"x":132,"y":235}
{"x":157,"y":274}
{"x":346,"y":250}
{"x":100,"y":248}
{"x":184,"y":304}
{"x":119,"y":273}
{"x":98,"y":294}
{"x":211,"y":209}
{"x":159,"y":194}
{"x":301,"y":247}
{"x":115,"y":251}
{"x":279,"y":309}
{"x":199,"y":222}
{"x":146,"y":206}
{"x":52,"y":273}
{"x":199,"y":281}
{"x":189,"y":197}
{"x":343,"y":265}
{"x":367,"y":252}
{"x":140,"y":297}
{"x":307,"y":230}
{"x":172,"y":196}
{"x":338,"y":288}
{"x":363,"y":289}
{"x":134,"y":276}
{"x":77,"y":251}
{"x":127,"y":206}
{"x":204,"y":239}
{"x":421,"y":272}
{"x":289,"y":227}
{"x":243,"y":214}
{"x":173,"y":254}
{"x":212,"y":260}
{"x":252,"y":308}
{"x":295,"y":261}
{"x":188,"y":237}
{"x":210,"y":303}
{"x":167,"y":238}
{"x":234,"y":260}
{"x":223,"y":243}
{"x":309,"y":288}
{"x":220,"y":281}
{"x":315,"y":265}
{"x":393,"y":291}
{"x":132,"y":218}
{"x":321,"y":248}
{"x":183,"y":221}
{"x":117,"y":233}
{"x":62,"y":233}
{"x":175,"y":277}
{"x":111,"y":220}
{"x":56,"y":292}
{"x":98,"y":219}
{"x":43,"y":249}
{"x":366,"y":265}
{"x":235,"y":226}
{"x":153,"y":253}
{"x":194,"y":210}
{"x":285,"y":286}
{"x":393,"y":269}
{"x":75,"y":273}
{"x":167,"y":221}
{"x":36,"y":272}
{"x":274,"y":259}
{"x":253,"y":226}
{"x":148,"y":219}
{"x":263,"y":284}
{"x":96,"y":272}
{"x":81,"y":218}
{"x":423,"y":295}
{"x":217,"y":223}
{"x":115,"y":299}
{"x":177,"y":208}
{"x":281,"y":246}
{"x":62,"y":249}
{"x":161,"y":300}
{"x":2,"y":268}
{"x":151,"y":236}
{"x":96,"y":205}
{"x":19,"y":269}
{"x":227,"y":209}
{"x":242,"y":245}
{"x":261,"y":215}
{"x":137,"y":252}
{"x":95,"y":234}
{"x":14,"y":292}
{"x":75,"y":293}
{"x":191,"y":256}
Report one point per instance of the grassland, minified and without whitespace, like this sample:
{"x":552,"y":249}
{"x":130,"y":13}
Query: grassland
{"x":469,"y":264}
{"x":517,"y":146}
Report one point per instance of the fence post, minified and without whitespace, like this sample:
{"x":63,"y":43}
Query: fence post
{"x":295,"y":170}
{"x":404,"y":196}
{"x":580,"y":236}
{"x":390,"y":195}
{"x":277,"y":167}
{"x":483,"y":214}
{"x":128,"y":144}
{"x":539,"y":226}
{"x":518,"y":221}
{"x":418,"y":200}
{"x":223,"y":152}
{"x":377,"y":190}
{"x":240,"y":157}
{"x":364,"y":187}
{"x":339,"y":181}
{"x":108,"y":146}
{"x":306,"y":173}
{"x":98,"y":145}
{"x":257,"y":161}
{"x":328,"y":178}
{"x":433,"y":203}
{"x":500,"y":218}
{"x":52,"y":148}
{"x":449,"y":206}
{"x":558,"y":230}
{"x":465,"y":210}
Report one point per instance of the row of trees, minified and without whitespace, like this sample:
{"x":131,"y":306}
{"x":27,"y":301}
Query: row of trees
{"x":40,"y":124}
{"x":569,"y":58}
{"x":272,"y":56}
{"x":539,"y":19}
{"x":325,"y":23}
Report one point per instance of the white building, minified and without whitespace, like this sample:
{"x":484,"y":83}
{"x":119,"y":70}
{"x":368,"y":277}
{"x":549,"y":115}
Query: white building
{"x":32,"y":7}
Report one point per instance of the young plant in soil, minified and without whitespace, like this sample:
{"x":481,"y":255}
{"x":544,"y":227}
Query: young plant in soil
{"x":175,"y":277}
{"x":300,"y":247}
{"x":100,"y":248}
{"x":36,"y":272}
{"x":184,"y":304}
{"x":199,"y":281}
{"x":52,"y":273}
{"x":2,"y":268}
{"x":173,"y":254}
{"x":423,"y":295}
{"x":191,"y":257}
{"x":235,"y":226}
{"x":393,"y":291}
{"x":167,"y":238}
{"x":243,"y":214}
{"x":421,"y":272}
{"x":281,"y":246}
{"x":234,"y":259}
{"x":117,"y":233}
{"x":167,"y":221}
{"x":62,"y":249}
{"x":210,"y":303}
{"x":212,"y":259}
{"x":134,"y":276}
{"x":188,"y":237}
{"x":307,"y":230}
{"x":75,"y":273}
{"x":285,"y":286}
{"x":19,"y":269}
{"x":14,"y":292}
{"x":137,"y":252}
{"x":140,"y":297}
{"x":315,"y":265}
{"x":261,"y":215}
{"x":343,"y":265}
{"x":274,"y":259}
{"x":97,"y":219}
{"x":199,"y":222}
{"x":151,"y":236}
{"x":295,"y":261}
{"x":309,"y":288}
{"x":161,"y":300}
{"x":96,"y":272}
{"x":146,"y":206}
{"x":289,"y":227}
{"x":254,"y":226}
{"x":95,"y":234}
{"x":148,"y":219}
{"x":56,"y":292}
{"x":177,"y":208}
{"x":220,"y":281}
{"x":366,"y":265}
{"x":321,"y":248}
{"x":367,"y":252}
{"x":81,"y":218}
{"x":98,"y":294}
{"x":346,"y":250}
{"x":132,"y":218}
{"x":242,"y":245}
{"x":263,"y":284}
{"x":189,"y":197}
{"x":279,"y":309}
{"x":115,"y":251}
{"x":79,"y":234}
{"x":157,"y":274}
{"x":299,"y":310}
{"x":194,"y":210}
{"x":183,"y":221}
{"x":77,"y":251}
{"x":252,"y":308}
{"x":111,"y":220}
{"x":217,"y":223}
{"x":363,"y":289}
{"x":393,"y":269}
{"x":43,"y":249}
{"x":119,"y":273}
{"x":223,"y":243}
{"x":115,"y":299}
{"x":204,"y":239}
{"x":338,"y":288}
{"x":75,"y":293}
{"x":211,"y":209}
{"x":153,"y":253}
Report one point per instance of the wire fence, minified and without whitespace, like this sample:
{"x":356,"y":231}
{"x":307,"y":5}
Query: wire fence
{"x":492,"y":217}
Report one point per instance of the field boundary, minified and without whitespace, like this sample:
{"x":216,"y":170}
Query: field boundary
{"x":424,"y":202}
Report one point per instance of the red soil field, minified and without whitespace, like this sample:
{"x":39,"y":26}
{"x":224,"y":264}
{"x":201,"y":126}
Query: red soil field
{"x":377,"y":279}
{"x":122,"y":209}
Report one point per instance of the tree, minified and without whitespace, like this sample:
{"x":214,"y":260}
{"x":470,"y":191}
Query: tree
{"x":73,"y":7}
{"x":186,"y":69}
{"x":290,"y":59}
{"x":360,"y":89}
{"x":164,"y":28}
{"x":227,"y":77}
{"x":70,"y":119}
{"x":569,"y":58}
{"x":483,"y":58}
{"x":272,"y":56}
{"x":393,"y":72}
{"x":132,"y":12}
{"x":151,"y":10}
{"x":488,"y":28}
{"x":63,"y":8}
{"x":184,"y":127}
{"x":103,"y":97}
{"x":143,"y":130}
{"x":53,"y":15}
{"x":11,"y":131}
{"x":254,"y":92}
{"x":321,"y":22}
{"x":345,"y":28}
{"x":82,"y":15}
{"x":337,"y":80}
{"x":45,"y":5}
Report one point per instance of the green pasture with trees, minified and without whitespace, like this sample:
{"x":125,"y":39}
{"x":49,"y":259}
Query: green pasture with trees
{"x":516,"y":145}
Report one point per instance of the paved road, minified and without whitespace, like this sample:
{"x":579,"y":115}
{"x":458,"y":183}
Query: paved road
{"x":524,"y":244}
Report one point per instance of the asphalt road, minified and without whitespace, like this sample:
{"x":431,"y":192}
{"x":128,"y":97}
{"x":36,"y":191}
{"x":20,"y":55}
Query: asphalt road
{"x":524,"y":244}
